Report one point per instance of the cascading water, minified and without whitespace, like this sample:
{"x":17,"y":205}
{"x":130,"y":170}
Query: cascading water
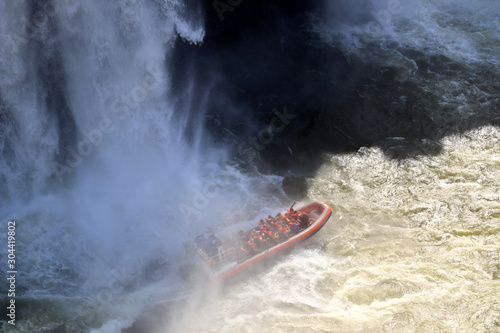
{"x":96,"y":169}
{"x":94,"y":164}
{"x":106,"y":166}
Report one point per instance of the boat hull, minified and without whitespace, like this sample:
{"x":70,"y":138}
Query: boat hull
{"x":236,"y":268}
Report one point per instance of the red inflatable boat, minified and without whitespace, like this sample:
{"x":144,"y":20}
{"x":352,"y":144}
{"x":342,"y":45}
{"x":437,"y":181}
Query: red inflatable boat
{"x":222,"y":260}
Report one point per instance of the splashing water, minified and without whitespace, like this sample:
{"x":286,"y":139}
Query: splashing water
{"x":104,"y":187}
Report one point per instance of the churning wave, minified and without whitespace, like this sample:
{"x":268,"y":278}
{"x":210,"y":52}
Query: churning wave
{"x":128,"y":127}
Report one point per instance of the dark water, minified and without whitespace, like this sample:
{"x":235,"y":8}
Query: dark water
{"x":126,"y":128}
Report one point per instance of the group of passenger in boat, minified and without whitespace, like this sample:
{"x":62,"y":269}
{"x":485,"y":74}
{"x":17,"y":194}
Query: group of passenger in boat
{"x":271,"y":231}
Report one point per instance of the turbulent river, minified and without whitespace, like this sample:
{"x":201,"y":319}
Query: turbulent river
{"x":112,"y":157}
{"x":413,"y":247}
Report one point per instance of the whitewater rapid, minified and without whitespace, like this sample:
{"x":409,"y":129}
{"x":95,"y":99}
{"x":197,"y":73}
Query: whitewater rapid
{"x":414,"y":242}
{"x":105,"y":188}
{"x":412,"y":247}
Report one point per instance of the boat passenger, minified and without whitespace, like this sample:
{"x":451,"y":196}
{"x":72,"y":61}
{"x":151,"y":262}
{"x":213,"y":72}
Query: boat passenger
{"x":213,"y":245}
{"x":288,"y":220}
{"x":252,"y":247}
{"x":304,"y":220}
{"x":294,"y":227}
{"x":262,"y":225}
{"x":266,"y":238}
{"x":200,"y":241}
{"x":267,"y":231}
{"x":244,"y":252}
{"x":205,"y":245}
{"x":214,"y":241}
{"x":275,"y":237}
{"x":280,"y":219}
{"x":284,"y":232}
{"x":260,"y":241}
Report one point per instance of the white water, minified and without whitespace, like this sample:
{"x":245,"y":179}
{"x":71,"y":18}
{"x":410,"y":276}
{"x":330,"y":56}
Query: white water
{"x":414,"y":244}
{"x":113,"y":210}
{"x":99,"y":234}
{"x":412,"y":247}
{"x":102,"y":63}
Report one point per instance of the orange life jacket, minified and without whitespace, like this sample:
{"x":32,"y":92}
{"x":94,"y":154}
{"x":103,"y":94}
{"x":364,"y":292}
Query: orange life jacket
{"x":252,"y":245}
